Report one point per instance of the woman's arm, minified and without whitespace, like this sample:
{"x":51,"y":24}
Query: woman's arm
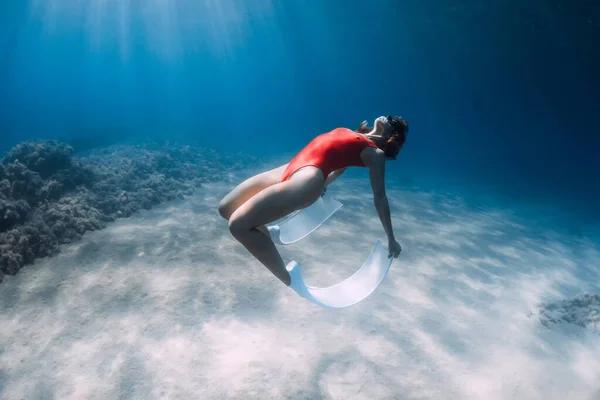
{"x":375,"y":160}
{"x":363,"y":128}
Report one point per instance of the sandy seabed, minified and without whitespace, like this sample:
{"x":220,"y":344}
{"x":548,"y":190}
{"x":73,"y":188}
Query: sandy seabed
{"x":166,"y":304}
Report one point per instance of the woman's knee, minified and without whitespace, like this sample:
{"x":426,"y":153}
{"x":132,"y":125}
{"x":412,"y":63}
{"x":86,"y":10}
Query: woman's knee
{"x":237,"y":226}
{"x":225,"y":210}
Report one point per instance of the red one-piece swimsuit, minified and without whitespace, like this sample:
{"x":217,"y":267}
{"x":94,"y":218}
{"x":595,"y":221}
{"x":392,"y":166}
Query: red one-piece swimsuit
{"x":330,"y":151}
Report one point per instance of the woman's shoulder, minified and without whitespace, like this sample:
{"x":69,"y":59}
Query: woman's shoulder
{"x":372,"y":157}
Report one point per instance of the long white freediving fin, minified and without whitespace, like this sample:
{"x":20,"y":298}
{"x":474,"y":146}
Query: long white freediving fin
{"x":351,"y":290}
{"x":302,"y":223}
{"x":357,"y":287}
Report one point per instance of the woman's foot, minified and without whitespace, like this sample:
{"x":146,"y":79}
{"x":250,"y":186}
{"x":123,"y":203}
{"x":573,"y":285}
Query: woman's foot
{"x":264,"y":230}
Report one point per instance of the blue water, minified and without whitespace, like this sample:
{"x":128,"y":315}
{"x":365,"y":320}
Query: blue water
{"x":501,"y":96}
{"x":493,"y":199}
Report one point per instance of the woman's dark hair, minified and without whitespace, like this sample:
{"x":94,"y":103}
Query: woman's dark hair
{"x":397,"y":139}
{"x":399,"y":124}
{"x":394,"y":143}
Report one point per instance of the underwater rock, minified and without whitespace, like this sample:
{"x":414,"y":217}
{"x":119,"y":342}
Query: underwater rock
{"x":583,"y":310}
{"x":12,"y":212}
{"x":5,"y":188}
{"x":14,"y":251}
{"x":49,"y":198}
{"x":44,"y":157}
{"x":51,"y":190}
{"x":25,"y":184}
{"x":75,"y":176}
{"x":69,"y":218}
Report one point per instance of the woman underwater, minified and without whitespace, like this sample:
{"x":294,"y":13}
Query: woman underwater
{"x":276,"y":193}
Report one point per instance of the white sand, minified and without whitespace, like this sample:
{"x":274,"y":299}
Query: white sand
{"x":167,"y":305}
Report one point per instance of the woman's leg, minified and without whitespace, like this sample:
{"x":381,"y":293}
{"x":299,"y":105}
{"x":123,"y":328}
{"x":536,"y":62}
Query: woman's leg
{"x":248,"y":188}
{"x":275,"y":202}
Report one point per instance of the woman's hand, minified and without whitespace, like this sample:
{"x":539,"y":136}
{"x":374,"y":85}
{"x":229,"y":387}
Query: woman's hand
{"x":362,"y":128}
{"x":394,"y":248}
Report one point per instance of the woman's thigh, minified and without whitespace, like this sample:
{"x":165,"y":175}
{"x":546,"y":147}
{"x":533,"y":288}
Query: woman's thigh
{"x":248,"y":188}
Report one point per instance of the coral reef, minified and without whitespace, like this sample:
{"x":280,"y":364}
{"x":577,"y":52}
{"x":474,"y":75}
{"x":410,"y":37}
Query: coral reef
{"x":49,"y":198}
{"x":45,"y":157}
{"x":583,"y":310}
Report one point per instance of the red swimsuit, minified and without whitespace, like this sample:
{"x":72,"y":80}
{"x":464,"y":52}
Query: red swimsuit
{"x":337,"y":149}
